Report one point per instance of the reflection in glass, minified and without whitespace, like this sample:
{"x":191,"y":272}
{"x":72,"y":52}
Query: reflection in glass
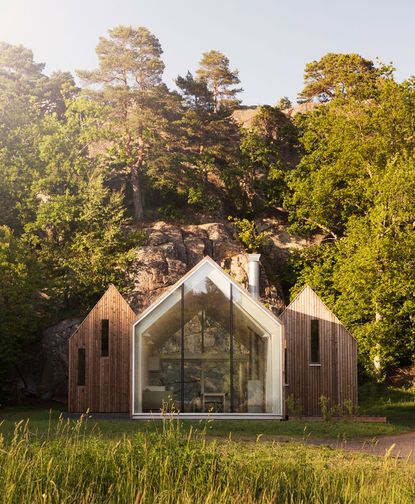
{"x":205,"y":348}
{"x":158,"y":337}
{"x":206,"y":343}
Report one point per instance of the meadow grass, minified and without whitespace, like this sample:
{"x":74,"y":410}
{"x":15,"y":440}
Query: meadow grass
{"x":176,"y":464}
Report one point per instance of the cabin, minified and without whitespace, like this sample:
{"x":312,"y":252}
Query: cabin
{"x":100,"y":356}
{"x":209,"y":348}
{"x":320,"y":355}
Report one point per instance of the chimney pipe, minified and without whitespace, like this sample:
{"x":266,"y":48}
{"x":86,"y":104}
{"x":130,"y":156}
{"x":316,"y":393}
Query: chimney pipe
{"x":253,"y":274}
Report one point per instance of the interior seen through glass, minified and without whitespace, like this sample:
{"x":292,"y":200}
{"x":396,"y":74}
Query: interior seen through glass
{"x":202,"y":351}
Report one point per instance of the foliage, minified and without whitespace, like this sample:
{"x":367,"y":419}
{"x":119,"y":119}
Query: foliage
{"x":77,"y":164}
{"x":335,"y":75}
{"x":268,"y":154}
{"x":328,"y":410}
{"x":19,"y":274}
{"x":294,"y":407}
{"x":81,"y":238}
{"x":252,"y":239}
{"x":129,"y":84}
{"x":215,"y":72}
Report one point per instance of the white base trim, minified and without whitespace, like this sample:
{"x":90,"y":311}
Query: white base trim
{"x":207,"y":416}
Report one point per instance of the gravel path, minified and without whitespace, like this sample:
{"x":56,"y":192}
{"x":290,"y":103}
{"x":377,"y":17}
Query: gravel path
{"x":401,"y":446}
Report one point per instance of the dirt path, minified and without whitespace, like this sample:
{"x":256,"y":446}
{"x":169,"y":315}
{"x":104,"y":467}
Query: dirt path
{"x":401,"y":446}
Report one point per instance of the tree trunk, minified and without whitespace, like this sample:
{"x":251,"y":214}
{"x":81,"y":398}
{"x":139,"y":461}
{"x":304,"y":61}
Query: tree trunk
{"x":137,"y":195}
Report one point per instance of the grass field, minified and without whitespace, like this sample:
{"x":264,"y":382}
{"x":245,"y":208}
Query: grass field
{"x":47,"y":458}
{"x":69,"y":464}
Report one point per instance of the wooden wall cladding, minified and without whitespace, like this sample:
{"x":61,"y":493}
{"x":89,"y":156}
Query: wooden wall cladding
{"x":336,"y":376}
{"x":107,"y":379}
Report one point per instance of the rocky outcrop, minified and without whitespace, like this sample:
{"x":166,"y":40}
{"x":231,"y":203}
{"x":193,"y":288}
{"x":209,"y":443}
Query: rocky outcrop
{"x":45,"y":373}
{"x":171,"y":251}
{"x":245,"y":116}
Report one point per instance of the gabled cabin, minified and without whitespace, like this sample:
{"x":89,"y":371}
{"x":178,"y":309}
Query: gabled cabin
{"x":207,"y":347}
{"x":100,"y":356}
{"x":320,"y":354}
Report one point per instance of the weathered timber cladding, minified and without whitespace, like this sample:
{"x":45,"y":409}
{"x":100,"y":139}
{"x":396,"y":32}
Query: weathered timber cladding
{"x":107,"y":384}
{"x":336,"y":376}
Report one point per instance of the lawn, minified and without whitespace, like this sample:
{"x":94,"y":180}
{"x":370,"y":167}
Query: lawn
{"x":41,"y":420}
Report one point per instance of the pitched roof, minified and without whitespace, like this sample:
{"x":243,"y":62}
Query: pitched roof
{"x":185,"y":277}
{"x":305,"y":288}
{"x":111,"y":289}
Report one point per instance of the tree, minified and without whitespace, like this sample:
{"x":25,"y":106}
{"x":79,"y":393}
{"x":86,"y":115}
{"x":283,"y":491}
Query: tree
{"x":215,"y":72}
{"x":268,"y":153}
{"x":20,"y":277}
{"x":345,"y":144}
{"x":129,"y":82}
{"x":367,"y":277}
{"x":207,"y":140}
{"x":22,"y":108}
{"x":81,"y":240}
{"x":341,"y":74}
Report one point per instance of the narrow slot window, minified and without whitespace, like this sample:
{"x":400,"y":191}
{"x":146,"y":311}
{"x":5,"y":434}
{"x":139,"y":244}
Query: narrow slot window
{"x":315,"y":342}
{"x":105,"y":333}
{"x":285,"y":366}
{"x":81,"y":366}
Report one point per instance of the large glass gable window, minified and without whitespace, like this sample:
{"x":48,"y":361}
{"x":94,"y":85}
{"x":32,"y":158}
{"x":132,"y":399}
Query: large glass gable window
{"x":205,"y":349}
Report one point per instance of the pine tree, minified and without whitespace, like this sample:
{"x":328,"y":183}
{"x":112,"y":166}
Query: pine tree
{"x":129,"y":83}
{"x":220,"y":79}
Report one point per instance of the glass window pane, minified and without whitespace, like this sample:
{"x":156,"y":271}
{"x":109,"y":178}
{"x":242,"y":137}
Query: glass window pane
{"x":81,"y":367}
{"x":252,"y":369}
{"x":315,"y":342}
{"x":158,"y":357}
{"x":207,"y":342}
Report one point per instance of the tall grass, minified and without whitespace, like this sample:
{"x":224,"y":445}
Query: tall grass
{"x":71,"y":464}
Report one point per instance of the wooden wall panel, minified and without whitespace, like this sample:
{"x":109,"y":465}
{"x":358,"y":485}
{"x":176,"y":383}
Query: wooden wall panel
{"x":107,"y":386}
{"x":336,"y":376}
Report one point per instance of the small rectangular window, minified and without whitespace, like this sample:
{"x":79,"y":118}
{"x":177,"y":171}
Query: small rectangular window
{"x":81,"y":366}
{"x":105,"y":333}
{"x":315,"y":342}
{"x":285,"y":366}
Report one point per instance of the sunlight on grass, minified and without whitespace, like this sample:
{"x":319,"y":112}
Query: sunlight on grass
{"x":174,"y":464}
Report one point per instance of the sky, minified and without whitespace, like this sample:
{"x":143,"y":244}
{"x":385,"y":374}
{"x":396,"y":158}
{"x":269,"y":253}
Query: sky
{"x":268,"y":41}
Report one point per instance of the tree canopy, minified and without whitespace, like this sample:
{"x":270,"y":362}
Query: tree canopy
{"x":84,"y":167}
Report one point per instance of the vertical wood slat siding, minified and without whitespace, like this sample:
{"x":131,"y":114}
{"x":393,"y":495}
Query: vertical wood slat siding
{"x":107,"y":385}
{"x":336,"y":377}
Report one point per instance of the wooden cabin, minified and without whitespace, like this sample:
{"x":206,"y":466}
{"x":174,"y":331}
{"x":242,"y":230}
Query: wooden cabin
{"x":320,"y":355}
{"x":100,"y":356}
{"x":209,"y":347}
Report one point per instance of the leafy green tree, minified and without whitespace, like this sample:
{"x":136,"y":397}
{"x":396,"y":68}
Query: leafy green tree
{"x":345,"y":144}
{"x":20,"y":278}
{"x":214,"y":70}
{"x":268,"y":151}
{"x":81,"y":239}
{"x":368,"y":275}
{"x":335,"y":75}
{"x":27,"y":96}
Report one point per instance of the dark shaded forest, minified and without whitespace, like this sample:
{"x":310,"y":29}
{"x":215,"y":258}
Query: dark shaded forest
{"x":85,"y":160}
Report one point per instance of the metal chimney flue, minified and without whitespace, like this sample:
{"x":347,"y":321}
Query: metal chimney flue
{"x":253,"y":274}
